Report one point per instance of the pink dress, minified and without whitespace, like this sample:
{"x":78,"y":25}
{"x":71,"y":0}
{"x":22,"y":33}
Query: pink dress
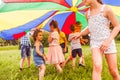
{"x":55,"y":54}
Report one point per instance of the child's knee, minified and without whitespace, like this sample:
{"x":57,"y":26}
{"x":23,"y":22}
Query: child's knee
{"x":44,"y":68}
{"x":97,"y":67}
{"x":22,"y":59}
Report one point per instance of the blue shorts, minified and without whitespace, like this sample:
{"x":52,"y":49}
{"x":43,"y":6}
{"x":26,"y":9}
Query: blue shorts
{"x":76,"y":52}
{"x":39,"y":62}
{"x":25,"y":51}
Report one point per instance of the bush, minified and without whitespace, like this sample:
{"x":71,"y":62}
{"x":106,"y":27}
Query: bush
{"x":45,"y":39}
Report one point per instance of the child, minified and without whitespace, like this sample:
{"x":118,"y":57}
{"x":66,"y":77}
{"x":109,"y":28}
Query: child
{"x":38,"y":53}
{"x":75,"y":46}
{"x":78,"y":27}
{"x":63,"y":42}
{"x":25,"y":44}
{"x":55,"y":55}
{"x":99,"y":17}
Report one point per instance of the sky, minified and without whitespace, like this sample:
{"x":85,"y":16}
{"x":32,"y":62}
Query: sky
{"x":0,"y":2}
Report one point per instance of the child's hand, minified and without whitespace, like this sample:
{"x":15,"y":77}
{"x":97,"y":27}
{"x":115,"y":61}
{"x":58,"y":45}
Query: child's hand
{"x":105,"y":45}
{"x":44,"y":57}
{"x":65,"y":49}
{"x":77,"y":36}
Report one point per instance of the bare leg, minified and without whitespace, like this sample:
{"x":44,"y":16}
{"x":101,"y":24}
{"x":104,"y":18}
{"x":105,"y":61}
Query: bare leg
{"x":73,"y":63}
{"x":67,"y":60}
{"x":22,"y":62}
{"x":42,"y":69}
{"x":83,"y":60}
{"x":59,"y":69}
{"x":80,"y":60}
{"x":112,"y":64}
{"x":97,"y":64}
{"x":28,"y":58}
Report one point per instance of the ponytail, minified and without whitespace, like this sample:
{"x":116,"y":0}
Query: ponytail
{"x":100,"y":1}
{"x":58,"y":30}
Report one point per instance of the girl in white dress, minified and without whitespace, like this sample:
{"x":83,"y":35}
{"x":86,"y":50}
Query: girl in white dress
{"x":99,"y":17}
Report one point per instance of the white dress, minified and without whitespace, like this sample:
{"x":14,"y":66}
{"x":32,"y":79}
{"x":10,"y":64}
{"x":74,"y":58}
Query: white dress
{"x":99,"y":31}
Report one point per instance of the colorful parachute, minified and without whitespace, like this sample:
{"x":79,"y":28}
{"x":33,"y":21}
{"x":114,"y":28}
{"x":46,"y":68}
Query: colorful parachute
{"x":19,"y":16}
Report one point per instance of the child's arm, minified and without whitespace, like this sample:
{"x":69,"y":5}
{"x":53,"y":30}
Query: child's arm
{"x":114,"y":22}
{"x":65,"y":39}
{"x":110,"y":15}
{"x":85,"y":31}
{"x":50,"y":38}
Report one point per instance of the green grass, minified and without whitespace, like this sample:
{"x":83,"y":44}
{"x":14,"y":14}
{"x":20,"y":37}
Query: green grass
{"x":9,"y":67}
{"x":3,"y":48}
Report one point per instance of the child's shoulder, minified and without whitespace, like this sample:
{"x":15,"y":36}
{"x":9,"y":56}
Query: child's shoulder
{"x":38,"y":44}
{"x":107,"y":9}
{"x":70,"y":34}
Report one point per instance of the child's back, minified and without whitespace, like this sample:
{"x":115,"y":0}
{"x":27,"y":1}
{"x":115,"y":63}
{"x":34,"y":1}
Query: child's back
{"x":75,"y":43}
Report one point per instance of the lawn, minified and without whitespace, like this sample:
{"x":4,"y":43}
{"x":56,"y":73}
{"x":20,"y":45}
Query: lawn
{"x":9,"y":67}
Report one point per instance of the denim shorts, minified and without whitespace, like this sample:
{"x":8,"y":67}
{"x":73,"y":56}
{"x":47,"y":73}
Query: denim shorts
{"x":25,"y":51}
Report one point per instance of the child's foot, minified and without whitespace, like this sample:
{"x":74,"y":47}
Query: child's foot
{"x":63,"y":65}
{"x":21,"y":69}
{"x":73,"y":67}
{"x":59,"y":71}
{"x":80,"y":64}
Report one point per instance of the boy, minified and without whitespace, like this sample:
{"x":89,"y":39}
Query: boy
{"x":75,"y":46}
{"x":25,"y":50}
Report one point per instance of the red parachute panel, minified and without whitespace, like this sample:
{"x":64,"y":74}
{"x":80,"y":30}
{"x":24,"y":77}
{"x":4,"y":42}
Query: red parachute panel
{"x":62,"y":2}
{"x":19,"y":35}
{"x":69,"y":21}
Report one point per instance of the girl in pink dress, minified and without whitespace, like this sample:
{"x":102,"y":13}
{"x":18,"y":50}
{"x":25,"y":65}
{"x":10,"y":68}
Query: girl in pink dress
{"x":55,"y":55}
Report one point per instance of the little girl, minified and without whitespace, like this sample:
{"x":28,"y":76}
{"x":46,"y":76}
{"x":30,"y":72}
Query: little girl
{"x":99,"y":17}
{"x":55,"y":55}
{"x":38,"y":53}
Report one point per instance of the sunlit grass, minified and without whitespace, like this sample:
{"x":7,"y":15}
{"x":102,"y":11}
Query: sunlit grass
{"x":9,"y":67}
